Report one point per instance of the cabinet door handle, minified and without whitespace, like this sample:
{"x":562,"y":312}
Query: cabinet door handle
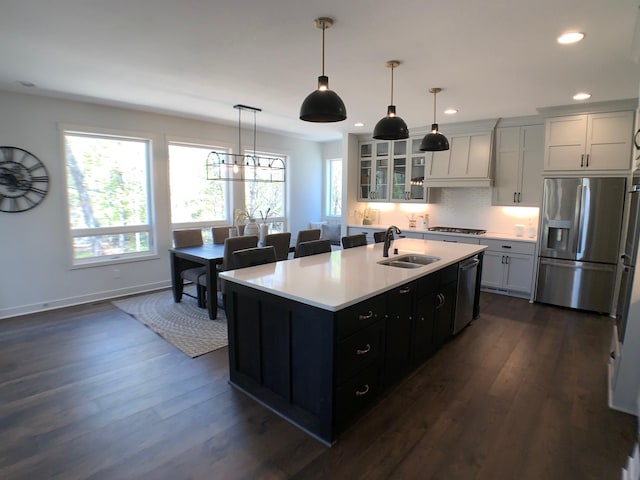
{"x":366,"y":316}
{"x":440,"y":301}
{"x":360,"y":393}
{"x":519,"y":197}
{"x":582,"y":160}
{"x":502,"y":262}
{"x":404,"y":290}
{"x":514,"y":197}
{"x":364,"y":351}
{"x":587,"y":159}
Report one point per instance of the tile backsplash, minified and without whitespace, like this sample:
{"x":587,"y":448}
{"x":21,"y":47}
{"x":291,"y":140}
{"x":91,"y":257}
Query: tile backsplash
{"x":462,"y":207}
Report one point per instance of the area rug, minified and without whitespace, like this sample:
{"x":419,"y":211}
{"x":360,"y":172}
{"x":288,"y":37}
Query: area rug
{"x":183,"y":324}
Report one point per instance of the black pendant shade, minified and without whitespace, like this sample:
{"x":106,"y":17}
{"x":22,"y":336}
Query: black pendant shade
{"x":391,"y":127}
{"x":323,"y":105}
{"x":434,"y":141}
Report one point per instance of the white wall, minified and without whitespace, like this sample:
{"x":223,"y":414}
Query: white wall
{"x":36,"y":273}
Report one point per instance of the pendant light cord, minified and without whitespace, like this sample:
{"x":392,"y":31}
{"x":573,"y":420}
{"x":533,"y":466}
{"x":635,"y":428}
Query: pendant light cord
{"x":324,"y":26}
{"x":434,"y":106}
{"x":392,"y":67}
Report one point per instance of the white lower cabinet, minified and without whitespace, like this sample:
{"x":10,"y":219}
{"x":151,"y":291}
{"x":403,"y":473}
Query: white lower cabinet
{"x":508,"y":267}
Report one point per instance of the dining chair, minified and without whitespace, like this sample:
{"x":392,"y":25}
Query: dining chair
{"x":306,"y":236}
{"x":231,"y":245}
{"x":378,"y":237}
{"x":220,"y":234}
{"x":195,"y":275}
{"x":357,"y":240}
{"x":250,"y":257}
{"x":281,"y":242}
{"x":313,"y":247}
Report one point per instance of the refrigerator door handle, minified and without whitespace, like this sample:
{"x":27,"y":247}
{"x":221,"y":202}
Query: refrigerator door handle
{"x":582,"y":192}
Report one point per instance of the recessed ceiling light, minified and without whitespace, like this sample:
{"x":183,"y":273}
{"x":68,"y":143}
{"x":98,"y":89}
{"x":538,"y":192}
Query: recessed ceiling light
{"x":570,"y":37}
{"x":358,"y":124}
{"x":451,"y":111}
{"x":582,"y":96}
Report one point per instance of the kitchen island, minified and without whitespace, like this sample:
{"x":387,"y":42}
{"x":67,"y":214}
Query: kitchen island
{"x":318,"y":339}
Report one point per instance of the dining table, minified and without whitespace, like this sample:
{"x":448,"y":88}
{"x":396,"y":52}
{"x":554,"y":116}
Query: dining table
{"x":207,"y":255}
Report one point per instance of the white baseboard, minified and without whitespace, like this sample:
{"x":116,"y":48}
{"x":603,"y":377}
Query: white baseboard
{"x":80,"y":299}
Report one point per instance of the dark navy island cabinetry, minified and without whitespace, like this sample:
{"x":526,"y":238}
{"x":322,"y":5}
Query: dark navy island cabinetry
{"x":322,"y":369}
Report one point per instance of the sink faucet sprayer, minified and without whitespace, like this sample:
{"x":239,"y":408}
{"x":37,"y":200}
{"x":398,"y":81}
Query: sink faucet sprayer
{"x":388,"y":238}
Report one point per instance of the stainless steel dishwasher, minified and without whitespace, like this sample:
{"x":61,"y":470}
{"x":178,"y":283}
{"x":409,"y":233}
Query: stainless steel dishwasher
{"x":467,"y":277}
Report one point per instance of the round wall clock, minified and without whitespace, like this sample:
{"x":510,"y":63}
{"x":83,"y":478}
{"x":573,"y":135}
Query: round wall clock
{"x":24,"y":180}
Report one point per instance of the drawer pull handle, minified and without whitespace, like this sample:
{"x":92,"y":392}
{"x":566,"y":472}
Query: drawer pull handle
{"x":404,"y":290}
{"x":360,"y":393}
{"x":366,"y":350}
{"x":367,"y":316}
{"x":506,"y":246}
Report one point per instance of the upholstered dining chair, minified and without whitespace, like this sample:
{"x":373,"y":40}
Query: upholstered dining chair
{"x":378,"y":237}
{"x":250,"y":257}
{"x":281,"y":242}
{"x":306,"y":236}
{"x":357,"y":240}
{"x":220,"y":234}
{"x":196,"y":275}
{"x":313,"y":247}
{"x":231,"y":245}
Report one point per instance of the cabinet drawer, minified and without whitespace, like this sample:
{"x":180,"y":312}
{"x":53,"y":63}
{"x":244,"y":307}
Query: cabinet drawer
{"x":451,"y":238}
{"x":507,"y":246}
{"x":358,"y":351}
{"x":435,"y":280}
{"x":357,"y":317}
{"x":353,"y":396}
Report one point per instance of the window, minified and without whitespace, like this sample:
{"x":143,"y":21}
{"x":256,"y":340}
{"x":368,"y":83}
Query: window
{"x":334,"y":188}
{"x":195,"y":201}
{"x":264,"y":196}
{"x":108,"y":195}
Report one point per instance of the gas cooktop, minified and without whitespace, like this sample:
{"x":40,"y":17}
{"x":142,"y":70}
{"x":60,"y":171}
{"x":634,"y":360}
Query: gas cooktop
{"x":468,"y":231}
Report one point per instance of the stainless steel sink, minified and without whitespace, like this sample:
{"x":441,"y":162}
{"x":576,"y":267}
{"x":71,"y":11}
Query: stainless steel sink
{"x":410,"y":261}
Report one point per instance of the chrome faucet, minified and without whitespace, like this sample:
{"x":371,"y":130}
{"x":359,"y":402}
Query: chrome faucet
{"x":388,"y":238}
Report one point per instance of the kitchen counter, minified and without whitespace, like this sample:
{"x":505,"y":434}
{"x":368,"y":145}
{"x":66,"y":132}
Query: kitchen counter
{"x":489,"y":235}
{"x":336,"y":280}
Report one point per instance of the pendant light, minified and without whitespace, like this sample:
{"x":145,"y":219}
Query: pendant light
{"x":323,"y":105}
{"x":391,"y":127}
{"x":434,"y":141}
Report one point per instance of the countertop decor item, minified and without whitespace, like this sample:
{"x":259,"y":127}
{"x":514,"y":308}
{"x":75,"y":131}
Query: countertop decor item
{"x":391,"y":127}
{"x":434,"y":141}
{"x":24,"y":180}
{"x":323,"y":105}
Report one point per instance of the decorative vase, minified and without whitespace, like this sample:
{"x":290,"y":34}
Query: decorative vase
{"x":251,"y":228}
{"x":240,"y":229}
{"x":264,"y":229}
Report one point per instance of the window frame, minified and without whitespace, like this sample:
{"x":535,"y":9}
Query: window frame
{"x":204,"y":225}
{"x":282,"y":219}
{"x":329,"y":162}
{"x":150,"y":228}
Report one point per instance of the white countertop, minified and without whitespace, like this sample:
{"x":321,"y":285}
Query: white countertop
{"x":333,"y":281}
{"x":490,"y":235}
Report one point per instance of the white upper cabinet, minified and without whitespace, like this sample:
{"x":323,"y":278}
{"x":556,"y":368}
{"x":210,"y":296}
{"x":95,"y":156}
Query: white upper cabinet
{"x":589,"y":143}
{"x":519,"y":164}
{"x":374,"y":164}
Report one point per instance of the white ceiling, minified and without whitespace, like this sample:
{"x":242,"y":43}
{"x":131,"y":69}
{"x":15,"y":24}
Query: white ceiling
{"x":198,"y":58}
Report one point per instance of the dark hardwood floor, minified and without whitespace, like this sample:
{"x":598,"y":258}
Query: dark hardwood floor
{"x":88,"y":392}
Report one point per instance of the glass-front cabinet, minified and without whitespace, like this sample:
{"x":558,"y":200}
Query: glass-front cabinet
{"x":392,"y":171}
{"x":374,"y":171}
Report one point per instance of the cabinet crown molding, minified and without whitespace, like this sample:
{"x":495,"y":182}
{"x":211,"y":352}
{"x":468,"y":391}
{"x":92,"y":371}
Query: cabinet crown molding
{"x":595,"y":107}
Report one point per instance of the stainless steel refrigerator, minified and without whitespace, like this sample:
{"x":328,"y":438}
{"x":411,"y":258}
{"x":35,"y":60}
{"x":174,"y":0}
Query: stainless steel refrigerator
{"x":581,"y":224}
